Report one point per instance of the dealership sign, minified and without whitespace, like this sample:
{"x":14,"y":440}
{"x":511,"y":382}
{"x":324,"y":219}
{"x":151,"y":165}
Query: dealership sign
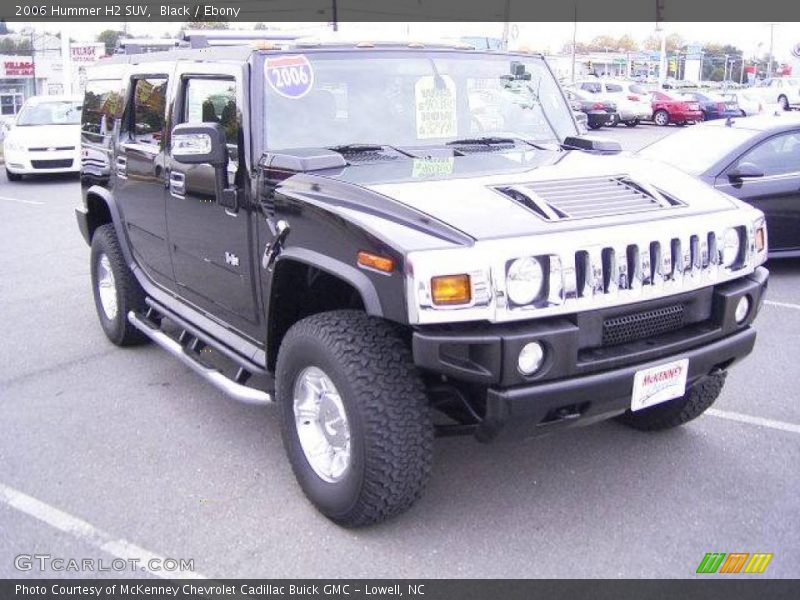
{"x":87,"y":53}
{"x":17,"y":68}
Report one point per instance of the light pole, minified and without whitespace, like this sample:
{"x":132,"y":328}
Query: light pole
{"x":662,"y":64}
{"x":771,"y":38}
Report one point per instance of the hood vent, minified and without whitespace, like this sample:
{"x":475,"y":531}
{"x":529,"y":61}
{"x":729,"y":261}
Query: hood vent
{"x":588,"y":197}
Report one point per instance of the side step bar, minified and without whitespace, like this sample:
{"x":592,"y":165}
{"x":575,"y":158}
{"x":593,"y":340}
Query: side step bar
{"x":236,"y":390}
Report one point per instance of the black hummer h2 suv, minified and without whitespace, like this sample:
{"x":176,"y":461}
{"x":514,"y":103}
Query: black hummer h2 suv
{"x":393,"y":241}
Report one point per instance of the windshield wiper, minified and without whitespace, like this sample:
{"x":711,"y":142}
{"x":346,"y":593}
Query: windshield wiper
{"x":490,"y":140}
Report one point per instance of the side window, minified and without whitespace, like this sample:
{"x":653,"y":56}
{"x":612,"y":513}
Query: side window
{"x":778,"y":155}
{"x":214,"y":101}
{"x":102,"y":103}
{"x":149,"y":110}
{"x":591,"y":87}
{"x":613,"y":88}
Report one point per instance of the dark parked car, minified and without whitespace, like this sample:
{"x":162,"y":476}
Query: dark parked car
{"x":756,"y":159}
{"x":714,"y":107}
{"x":669,"y":108}
{"x":598,"y":112}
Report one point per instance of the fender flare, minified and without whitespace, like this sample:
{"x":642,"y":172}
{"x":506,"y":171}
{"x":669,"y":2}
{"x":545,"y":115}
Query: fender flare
{"x":105,"y":196}
{"x":341,"y":270}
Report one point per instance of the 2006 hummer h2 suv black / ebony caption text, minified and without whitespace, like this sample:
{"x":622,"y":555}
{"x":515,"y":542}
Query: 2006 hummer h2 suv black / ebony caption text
{"x":393,"y":241}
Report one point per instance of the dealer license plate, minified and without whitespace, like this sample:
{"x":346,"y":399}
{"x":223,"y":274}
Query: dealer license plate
{"x":659,"y":384}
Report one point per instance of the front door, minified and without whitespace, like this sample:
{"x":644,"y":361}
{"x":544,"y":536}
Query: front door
{"x":211,"y":245}
{"x":777,"y":193}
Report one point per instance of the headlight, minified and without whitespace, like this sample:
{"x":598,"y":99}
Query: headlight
{"x":13,"y":145}
{"x":525,"y":280}
{"x":731,"y":245}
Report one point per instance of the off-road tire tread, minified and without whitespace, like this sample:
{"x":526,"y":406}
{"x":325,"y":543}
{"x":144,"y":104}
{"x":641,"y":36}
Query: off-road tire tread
{"x":675,"y":413}
{"x":394,"y":408}
{"x":132,"y":296}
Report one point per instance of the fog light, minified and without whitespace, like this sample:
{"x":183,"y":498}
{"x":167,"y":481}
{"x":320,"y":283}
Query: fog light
{"x":530,"y":358}
{"x":742,"y":309}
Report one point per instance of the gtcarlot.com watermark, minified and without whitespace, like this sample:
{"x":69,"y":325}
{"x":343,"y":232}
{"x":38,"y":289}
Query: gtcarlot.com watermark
{"x":48,"y":562}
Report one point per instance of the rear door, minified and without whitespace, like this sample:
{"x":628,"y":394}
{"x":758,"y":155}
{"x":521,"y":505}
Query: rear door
{"x":139,"y":172}
{"x":211,"y":246}
{"x":777,"y":193}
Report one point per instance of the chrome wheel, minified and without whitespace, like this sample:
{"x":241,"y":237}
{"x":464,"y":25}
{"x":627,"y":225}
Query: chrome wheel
{"x":322,"y":426}
{"x":106,"y":287}
{"x":661,"y":118}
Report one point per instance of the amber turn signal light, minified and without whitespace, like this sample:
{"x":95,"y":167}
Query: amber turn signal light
{"x":373,"y":261}
{"x":761,"y":239}
{"x":451,"y":289}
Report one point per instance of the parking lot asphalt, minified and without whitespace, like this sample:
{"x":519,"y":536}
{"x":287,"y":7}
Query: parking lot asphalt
{"x":109,"y":452}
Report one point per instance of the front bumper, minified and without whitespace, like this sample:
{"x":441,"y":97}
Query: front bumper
{"x":44,"y":162}
{"x":580,"y":376}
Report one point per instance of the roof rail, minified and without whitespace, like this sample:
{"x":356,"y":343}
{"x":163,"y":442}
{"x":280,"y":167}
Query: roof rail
{"x":145,"y":45}
{"x":203,"y":38}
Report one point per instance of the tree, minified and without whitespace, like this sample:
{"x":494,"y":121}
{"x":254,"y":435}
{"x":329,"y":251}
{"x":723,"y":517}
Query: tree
{"x":674,"y":43}
{"x":110,"y":38}
{"x":9,"y":45}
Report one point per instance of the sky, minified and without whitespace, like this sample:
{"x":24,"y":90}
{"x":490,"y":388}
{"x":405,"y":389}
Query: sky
{"x":752,"y":38}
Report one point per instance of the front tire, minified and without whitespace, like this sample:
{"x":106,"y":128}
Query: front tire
{"x":355,"y":419}
{"x":675,"y":413}
{"x":783,"y":101}
{"x":661,"y":118}
{"x":116,"y":291}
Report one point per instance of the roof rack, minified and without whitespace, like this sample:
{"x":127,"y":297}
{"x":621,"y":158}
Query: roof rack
{"x":146,"y":45}
{"x":203,"y":38}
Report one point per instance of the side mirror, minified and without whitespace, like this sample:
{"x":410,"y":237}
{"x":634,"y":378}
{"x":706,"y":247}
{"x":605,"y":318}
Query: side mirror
{"x":204,"y":143}
{"x":745,"y":170}
{"x":199,"y":143}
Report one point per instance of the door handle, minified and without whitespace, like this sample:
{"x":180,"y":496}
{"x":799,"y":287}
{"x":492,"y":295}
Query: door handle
{"x":122,"y":167}
{"x":177,"y":184}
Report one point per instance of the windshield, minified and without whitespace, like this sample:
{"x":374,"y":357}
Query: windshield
{"x":696,"y":150}
{"x":61,"y":112}
{"x":410,"y":99}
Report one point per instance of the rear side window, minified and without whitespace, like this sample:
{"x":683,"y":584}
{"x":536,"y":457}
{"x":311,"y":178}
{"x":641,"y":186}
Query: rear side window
{"x":102,"y":104}
{"x":591,"y":87}
{"x":613,"y":88}
{"x":149,"y":110}
{"x":637,"y":89}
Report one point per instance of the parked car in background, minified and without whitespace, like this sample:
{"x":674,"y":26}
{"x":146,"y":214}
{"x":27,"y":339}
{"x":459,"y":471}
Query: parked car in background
{"x":44,"y":138}
{"x":751,"y":103}
{"x":713,"y":106}
{"x":783,"y":90}
{"x":756,"y":159}
{"x":598,"y":111}
{"x":632,"y":100}
{"x":669,"y":108}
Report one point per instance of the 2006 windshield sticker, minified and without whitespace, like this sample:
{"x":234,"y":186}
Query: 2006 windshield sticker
{"x":290,"y":76}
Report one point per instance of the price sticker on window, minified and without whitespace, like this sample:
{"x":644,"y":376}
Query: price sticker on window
{"x":290,"y":76}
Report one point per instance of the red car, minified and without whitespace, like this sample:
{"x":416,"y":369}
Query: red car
{"x":672,"y":109}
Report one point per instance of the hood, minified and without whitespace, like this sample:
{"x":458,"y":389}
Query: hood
{"x":475,"y":196}
{"x":46,"y":136}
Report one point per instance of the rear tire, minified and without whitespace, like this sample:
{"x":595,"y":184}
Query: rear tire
{"x":13,"y":176}
{"x":661,"y":118}
{"x":594,"y":125}
{"x":116,"y":291}
{"x":386,"y":416}
{"x":632,"y":123}
{"x":676,"y":412}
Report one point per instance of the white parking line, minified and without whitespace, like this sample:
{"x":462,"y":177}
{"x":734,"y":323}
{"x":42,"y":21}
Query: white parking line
{"x":88,"y":533}
{"x":782,"y":304}
{"x":20,"y":200}
{"x":758,"y":421}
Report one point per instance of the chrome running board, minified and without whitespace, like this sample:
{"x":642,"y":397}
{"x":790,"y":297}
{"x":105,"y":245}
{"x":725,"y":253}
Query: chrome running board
{"x":223,"y":383}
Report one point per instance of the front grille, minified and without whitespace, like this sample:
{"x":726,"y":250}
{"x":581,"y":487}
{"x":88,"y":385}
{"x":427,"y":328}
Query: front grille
{"x":61,"y":163}
{"x":587,"y":197}
{"x":642,"y":325}
{"x":51,"y":148}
